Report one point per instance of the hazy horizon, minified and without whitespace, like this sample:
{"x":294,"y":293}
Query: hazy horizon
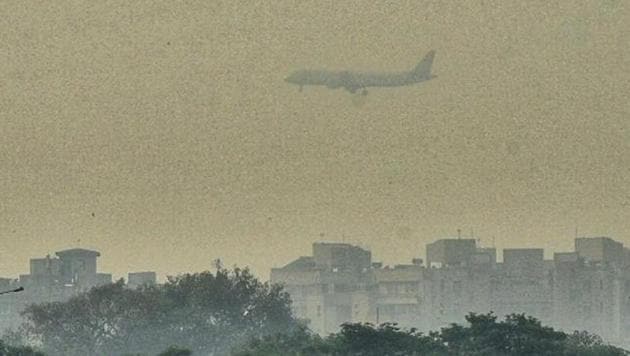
{"x":163,"y":135}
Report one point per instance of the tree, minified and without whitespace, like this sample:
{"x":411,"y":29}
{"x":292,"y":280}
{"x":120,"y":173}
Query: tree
{"x":385,"y":339}
{"x":176,"y":351}
{"x":101,"y":319}
{"x":353,"y":340}
{"x":300,"y":341}
{"x":208,"y":313}
{"x":517,"y":335}
{"x":582,"y":343}
{"x":8,"y":350}
{"x":211,"y":313}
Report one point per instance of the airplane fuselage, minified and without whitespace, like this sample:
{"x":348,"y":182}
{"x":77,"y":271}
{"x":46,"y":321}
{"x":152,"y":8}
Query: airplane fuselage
{"x":353,"y":81}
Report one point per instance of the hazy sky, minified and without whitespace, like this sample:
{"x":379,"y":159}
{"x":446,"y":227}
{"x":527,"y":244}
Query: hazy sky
{"x":163,"y":135}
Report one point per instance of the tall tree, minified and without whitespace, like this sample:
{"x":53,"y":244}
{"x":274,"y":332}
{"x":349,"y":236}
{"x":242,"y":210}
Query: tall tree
{"x":102,"y":319}
{"x":208,"y":313}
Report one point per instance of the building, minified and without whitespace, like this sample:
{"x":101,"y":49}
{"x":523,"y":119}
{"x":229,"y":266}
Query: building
{"x":600,"y":250}
{"x":588,"y":289}
{"x":451,"y":252}
{"x":56,"y":278}
{"x":78,"y":268}
{"x":329,"y":287}
{"x":341,"y":257}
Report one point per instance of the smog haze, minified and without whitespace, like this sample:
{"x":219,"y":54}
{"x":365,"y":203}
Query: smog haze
{"x":163,"y":134}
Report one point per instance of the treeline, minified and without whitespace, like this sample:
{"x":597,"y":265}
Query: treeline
{"x":230,"y":312}
{"x":207,"y":313}
{"x":483,"y":336}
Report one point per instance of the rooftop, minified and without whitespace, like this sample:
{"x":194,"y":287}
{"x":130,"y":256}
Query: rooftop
{"x":78,"y":252}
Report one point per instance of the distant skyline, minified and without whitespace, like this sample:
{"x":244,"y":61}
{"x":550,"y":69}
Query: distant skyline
{"x":548,"y":255}
{"x":164,"y":136}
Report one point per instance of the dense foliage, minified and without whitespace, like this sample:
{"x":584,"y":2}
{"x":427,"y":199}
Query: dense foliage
{"x":8,"y":350}
{"x":207,"y":313}
{"x":483,"y":336}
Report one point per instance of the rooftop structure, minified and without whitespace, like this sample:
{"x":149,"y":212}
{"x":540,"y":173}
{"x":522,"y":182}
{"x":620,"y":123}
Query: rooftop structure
{"x":600,"y":250}
{"x":451,"y":252}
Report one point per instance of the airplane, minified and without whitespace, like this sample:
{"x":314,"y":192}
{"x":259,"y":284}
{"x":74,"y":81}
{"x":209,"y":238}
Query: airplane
{"x":353,"y":81}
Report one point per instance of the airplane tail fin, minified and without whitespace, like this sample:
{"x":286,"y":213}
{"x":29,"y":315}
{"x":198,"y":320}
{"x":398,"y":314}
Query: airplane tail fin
{"x":423,"y":69}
